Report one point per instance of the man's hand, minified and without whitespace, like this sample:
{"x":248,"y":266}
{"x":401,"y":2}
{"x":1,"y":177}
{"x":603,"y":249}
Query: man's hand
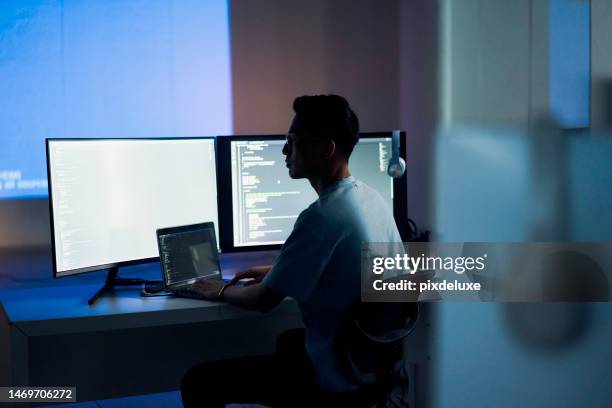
{"x":256,"y":273}
{"x":208,"y":288}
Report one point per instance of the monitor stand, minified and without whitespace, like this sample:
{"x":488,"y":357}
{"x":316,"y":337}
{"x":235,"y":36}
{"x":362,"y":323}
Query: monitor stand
{"x":112,"y":280}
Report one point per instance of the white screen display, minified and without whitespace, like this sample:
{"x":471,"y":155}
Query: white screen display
{"x":110,"y":196}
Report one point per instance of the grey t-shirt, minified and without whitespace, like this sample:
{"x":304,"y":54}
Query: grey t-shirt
{"x":319,"y":266}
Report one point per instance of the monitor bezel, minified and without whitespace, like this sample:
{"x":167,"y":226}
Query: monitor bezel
{"x":94,"y":268}
{"x":224,"y":190}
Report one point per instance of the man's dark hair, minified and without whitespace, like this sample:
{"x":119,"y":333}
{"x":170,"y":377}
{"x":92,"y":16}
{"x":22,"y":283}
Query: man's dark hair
{"x":328,"y":117}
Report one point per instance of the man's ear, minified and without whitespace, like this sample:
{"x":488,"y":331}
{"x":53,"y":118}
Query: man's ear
{"x":330,"y":149}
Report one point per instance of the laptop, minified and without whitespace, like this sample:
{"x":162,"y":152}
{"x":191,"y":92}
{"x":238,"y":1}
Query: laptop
{"x":188,"y":253}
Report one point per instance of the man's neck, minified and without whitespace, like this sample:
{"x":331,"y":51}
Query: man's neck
{"x":320,"y":183}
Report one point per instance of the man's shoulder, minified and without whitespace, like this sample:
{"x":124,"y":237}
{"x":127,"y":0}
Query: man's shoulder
{"x":344,"y":207}
{"x":324,"y":217}
{"x":367,"y":190}
{"x":313,"y":215}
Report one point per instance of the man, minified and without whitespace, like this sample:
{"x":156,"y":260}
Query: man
{"x":318,"y":266}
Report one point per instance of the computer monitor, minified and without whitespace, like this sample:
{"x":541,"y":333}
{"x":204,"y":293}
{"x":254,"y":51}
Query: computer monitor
{"x":109,"y":196}
{"x":265,"y":202}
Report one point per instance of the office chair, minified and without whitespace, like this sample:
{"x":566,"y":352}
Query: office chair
{"x":372,"y":344}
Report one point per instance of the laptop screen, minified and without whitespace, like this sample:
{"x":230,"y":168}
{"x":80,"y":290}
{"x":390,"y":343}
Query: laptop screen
{"x":188,"y":253}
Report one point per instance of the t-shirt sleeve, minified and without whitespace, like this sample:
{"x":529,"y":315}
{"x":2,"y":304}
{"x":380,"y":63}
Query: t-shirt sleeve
{"x":303,"y":258}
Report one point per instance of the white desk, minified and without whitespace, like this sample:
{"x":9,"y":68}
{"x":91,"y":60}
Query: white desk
{"x":126,"y":344}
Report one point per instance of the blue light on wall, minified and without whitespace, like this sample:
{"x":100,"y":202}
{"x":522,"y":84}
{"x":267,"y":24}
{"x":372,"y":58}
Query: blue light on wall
{"x":570,"y":67}
{"x":85,"y":68}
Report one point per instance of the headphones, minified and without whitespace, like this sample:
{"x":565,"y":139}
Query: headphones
{"x":397,"y":165}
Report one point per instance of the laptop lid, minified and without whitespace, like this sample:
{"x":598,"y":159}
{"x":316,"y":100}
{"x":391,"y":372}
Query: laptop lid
{"x":188,"y":253}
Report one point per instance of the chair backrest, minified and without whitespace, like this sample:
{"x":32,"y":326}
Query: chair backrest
{"x":371,"y":340}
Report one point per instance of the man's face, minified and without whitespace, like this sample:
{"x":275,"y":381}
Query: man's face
{"x":304,"y":156}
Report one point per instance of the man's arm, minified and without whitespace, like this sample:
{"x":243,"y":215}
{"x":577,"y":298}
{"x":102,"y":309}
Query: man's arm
{"x":253,"y":297}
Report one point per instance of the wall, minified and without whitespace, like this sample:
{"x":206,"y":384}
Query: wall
{"x":418,"y":101}
{"x":103,"y":69}
{"x":284,"y":48}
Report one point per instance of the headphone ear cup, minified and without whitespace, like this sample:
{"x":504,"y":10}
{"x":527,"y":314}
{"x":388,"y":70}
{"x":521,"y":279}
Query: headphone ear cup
{"x":397,"y":167}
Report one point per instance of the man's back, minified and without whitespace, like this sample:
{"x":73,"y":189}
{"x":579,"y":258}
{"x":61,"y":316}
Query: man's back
{"x":319,"y":266}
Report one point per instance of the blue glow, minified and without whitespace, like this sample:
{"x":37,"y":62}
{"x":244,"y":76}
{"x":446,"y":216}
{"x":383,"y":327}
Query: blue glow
{"x":569,"y":25}
{"x":138,"y":68}
{"x":481,"y":185}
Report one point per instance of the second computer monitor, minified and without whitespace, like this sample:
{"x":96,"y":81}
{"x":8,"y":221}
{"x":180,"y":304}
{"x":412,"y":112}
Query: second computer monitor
{"x":266,"y":202}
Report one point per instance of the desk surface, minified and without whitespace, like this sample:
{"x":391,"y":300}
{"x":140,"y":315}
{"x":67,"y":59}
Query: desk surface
{"x":60,"y":305}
